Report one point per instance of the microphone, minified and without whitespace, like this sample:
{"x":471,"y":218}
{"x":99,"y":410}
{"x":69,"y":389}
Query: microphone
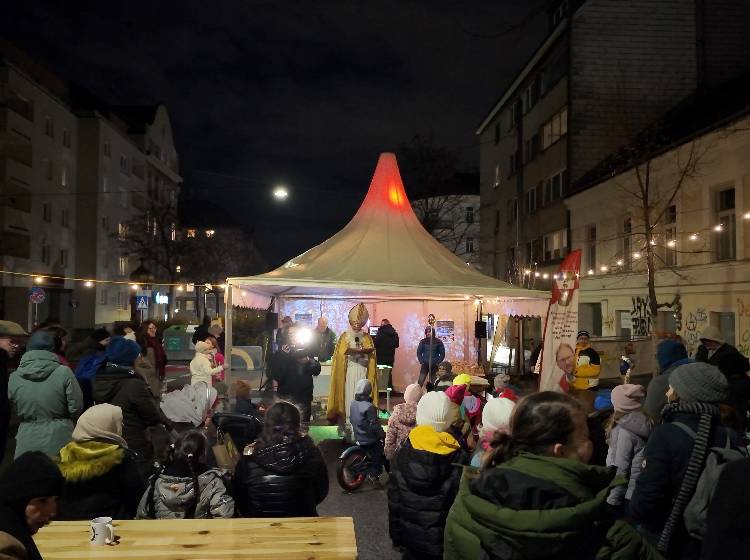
{"x":356,"y":339}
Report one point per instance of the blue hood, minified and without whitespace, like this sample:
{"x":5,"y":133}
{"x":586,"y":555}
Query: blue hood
{"x":670,"y":351}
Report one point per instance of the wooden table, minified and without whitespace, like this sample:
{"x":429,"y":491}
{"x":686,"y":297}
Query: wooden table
{"x":215,"y":539}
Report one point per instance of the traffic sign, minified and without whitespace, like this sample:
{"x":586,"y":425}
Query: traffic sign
{"x":37,"y":295}
{"x":142,"y":303}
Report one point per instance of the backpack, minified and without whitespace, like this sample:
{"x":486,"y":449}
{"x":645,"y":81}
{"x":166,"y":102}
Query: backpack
{"x":696,"y":511}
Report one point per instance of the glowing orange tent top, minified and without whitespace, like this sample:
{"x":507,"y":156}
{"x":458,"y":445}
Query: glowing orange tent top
{"x":382,"y":253}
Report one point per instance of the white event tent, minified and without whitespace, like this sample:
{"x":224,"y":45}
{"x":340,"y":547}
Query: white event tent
{"x":384,"y":258}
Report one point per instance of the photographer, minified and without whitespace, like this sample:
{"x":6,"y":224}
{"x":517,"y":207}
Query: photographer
{"x":292,"y":374}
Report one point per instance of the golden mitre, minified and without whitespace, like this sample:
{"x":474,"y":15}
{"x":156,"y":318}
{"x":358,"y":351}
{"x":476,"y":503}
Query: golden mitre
{"x":358,"y":314}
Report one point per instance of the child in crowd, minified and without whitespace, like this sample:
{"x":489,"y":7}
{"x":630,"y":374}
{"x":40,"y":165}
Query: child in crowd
{"x":495,"y":419}
{"x":368,"y":432}
{"x":402,"y":420}
{"x":627,"y":432}
{"x":424,"y":478}
{"x":185,"y":488}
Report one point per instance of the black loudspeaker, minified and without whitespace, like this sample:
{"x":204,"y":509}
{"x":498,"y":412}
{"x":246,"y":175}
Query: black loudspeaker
{"x":480,"y":329}
{"x":272,"y":320}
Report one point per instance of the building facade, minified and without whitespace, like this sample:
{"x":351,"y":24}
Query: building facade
{"x":604,"y":72}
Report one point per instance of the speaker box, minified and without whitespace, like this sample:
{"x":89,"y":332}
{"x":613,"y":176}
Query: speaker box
{"x":272,"y":320}
{"x":480,"y":329}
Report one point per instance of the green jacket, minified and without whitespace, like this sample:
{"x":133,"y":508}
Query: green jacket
{"x":535,"y":507}
{"x":48,"y":400}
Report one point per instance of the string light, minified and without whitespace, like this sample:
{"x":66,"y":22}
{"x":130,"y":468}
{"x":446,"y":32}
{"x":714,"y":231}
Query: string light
{"x":693,"y":237}
{"x":526,"y":272}
{"x":180,"y":288}
{"x":536,"y":275}
{"x":604,"y":268}
{"x":636,"y":255}
{"x":719,"y":227}
{"x":38,"y":280}
{"x":671,"y":243}
{"x":620,"y":262}
{"x":134,"y":287}
{"x":88,"y":283}
{"x":591,"y":272}
{"x":545,"y":276}
{"x":746,"y":215}
{"x":652,"y":242}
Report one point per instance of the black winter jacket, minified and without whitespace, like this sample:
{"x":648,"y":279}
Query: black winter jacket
{"x":665,"y":462}
{"x":288,"y":479}
{"x":421,"y":490}
{"x":386,"y":342}
{"x":734,"y":366}
{"x":122,"y":387}
{"x":728,"y":531}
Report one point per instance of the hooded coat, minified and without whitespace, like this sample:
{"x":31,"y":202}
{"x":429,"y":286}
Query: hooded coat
{"x":400,"y":424}
{"x":288,"y":479}
{"x":626,"y":444}
{"x":48,"y":400}
{"x":173,"y":491}
{"x":670,"y":354}
{"x":535,"y":507}
{"x":734,"y":366}
{"x":101,"y":479}
{"x":201,"y":369}
{"x":386,"y":342}
{"x":423,"y":484}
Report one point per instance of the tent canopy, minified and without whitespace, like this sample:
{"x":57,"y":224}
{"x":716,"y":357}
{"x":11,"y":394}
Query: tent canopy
{"x":383,"y":253}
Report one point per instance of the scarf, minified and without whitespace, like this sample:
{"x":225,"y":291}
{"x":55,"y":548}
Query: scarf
{"x":707,"y":413}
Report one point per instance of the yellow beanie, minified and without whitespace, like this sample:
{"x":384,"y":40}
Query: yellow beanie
{"x":462,"y":379}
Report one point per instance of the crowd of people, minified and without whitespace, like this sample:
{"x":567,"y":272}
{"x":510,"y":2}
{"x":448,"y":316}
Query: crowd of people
{"x":647,"y":472}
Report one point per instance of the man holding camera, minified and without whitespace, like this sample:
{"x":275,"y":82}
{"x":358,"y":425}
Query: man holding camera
{"x":292,"y":374}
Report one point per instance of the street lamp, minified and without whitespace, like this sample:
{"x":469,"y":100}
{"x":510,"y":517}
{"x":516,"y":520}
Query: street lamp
{"x":280,"y":193}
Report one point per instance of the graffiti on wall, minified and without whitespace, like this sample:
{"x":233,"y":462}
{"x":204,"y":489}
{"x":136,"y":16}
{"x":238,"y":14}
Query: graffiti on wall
{"x":640,"y":316}
{"x":696,"y":321}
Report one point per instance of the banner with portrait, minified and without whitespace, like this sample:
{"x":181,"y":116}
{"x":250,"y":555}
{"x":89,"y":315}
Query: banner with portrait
{"x":561,"y":327}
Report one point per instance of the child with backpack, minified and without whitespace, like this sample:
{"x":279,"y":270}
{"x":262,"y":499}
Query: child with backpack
{"x":185,"y":488}
{"x":627,"y":432}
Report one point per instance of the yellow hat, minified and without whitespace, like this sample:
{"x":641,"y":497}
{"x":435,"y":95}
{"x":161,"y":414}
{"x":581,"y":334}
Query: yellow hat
{"x":462,"y":379}
{"x":358,"y":314}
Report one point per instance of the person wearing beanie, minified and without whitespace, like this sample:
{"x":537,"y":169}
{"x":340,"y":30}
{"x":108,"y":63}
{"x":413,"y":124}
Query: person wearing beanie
{"x":402,"y":420}
{"x":627,"y":432}
{"x":101,"y":475}
{"x":46,"y":396}
{"x":117,"y":383}
{"x":368,"y":432}
{"x":670,"y":354}
{"x":425,"y":475}
{"x":586,"y":372}
{"x":691,"y":424}
{"x":201,"y":369}
{"x":495,"y":419}
{"x":28,"y":501}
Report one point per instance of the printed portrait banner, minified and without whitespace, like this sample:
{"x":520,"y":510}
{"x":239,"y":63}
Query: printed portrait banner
{"x":561,"y":327}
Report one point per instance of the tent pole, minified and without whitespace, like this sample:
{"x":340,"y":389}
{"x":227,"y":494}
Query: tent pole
{"x":228,"y":293}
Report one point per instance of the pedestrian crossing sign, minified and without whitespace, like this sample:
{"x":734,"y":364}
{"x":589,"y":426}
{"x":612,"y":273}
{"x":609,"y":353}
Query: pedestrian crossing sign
{"x":142,"y":303}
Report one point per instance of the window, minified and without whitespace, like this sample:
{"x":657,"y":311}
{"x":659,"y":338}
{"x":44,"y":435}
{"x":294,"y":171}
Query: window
{"x":670,"y":235}
{"x":122,"y":265}
{"x":47,"y":169}
{"x":469,"y":245}
{"x":120,"y":300}
{"x":191,"y":233}
{"x":105,"y":223}
{"x":513,"y":163}
{"x":105,"y":184}
{"x":469,"y":214}
{"x":497,"y":133}
{"x":531,"y":148}
{"x":46,"y":211}
{"x":512,"y":210}
{"x":210,"y":233}
{"x":555,"y":245}
{"x":122,"y":231}
{"x":103,"y":297}
{"x":725,"y":229}
{"x":63,"y":257}
{"x":627,"y":244}
{"x":124,"y":165}
{"x":178,"y":269}
{"x":590,"y":317}
{"x":107,"y":149}
{"x":173,"y":232}
{"x":496,"y":184}
{"x":49,"y":126}
{"x":591,"y":248}
{"x":531,"y":96}
{"x":553,"y":186}
{"x":63,"y":176}
{"x":555,"y":128}
{"x":64,"y":217}
{"x":534,"y":251}
{"x":497,"y":221}
{"x":530,"y":202}
{"x":45,"y":253}
{"x":559,"y":13}
{"x":66,"y":138}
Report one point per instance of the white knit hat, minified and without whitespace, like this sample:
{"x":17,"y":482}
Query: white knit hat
{"x":496,"y":414}
{"x":436,"y":409}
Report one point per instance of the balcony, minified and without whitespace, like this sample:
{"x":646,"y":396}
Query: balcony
{"x":12,"y":168}
{"x":15,"y":245}
{"x":14,"y":196}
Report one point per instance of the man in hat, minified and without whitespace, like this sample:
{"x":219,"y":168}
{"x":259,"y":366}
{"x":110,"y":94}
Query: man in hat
{"x":353,"y":359}
{"x":11,"y":335}
{"x":588,"y":366}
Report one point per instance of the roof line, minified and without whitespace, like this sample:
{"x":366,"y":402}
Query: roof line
{"x":541,"y":51}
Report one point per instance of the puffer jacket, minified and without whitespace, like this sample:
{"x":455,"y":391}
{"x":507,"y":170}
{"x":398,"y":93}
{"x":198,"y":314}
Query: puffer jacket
{"x":288,"y":479}
{"x":587,"y":369}
{"x":424,"y":481}
{"x":535,"y":507}
{"x":101,"y":478}
{"x":437,"y":353}
{"x":170,"y":494}
{"x":402,"y":421}
{"x":626,"y":444}
{"x":48,"y":400}
{"x":364,"y":420}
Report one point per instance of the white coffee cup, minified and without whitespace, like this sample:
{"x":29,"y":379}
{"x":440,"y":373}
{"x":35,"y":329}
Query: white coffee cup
{"x":102,"y":531}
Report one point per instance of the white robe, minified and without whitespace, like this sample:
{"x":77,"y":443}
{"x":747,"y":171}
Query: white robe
{"x":356,"y":369}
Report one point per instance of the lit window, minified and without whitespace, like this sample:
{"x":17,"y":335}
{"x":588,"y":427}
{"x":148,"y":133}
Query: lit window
{"x":497,"y":176}
{"x":122,"y":231}
{"x":64,"y":176}
{"x":178,"y":268}
{"x":191,"y":233}
{"x":555,"y":128}
{"x":210,"y":233}
{"x":173,"y":232}
{"x":122,"y":265}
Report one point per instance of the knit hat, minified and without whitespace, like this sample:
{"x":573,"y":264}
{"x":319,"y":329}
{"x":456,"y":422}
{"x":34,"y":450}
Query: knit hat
{"x":496,"y":414}
{"x":712,"y":333}
{"x":670,"y":351}
{"x":122,"y":352}
{"x":41,"y":340}
{"x":363,"y":387}
{"x":628,"y":397}
{"x":101,"y":421}
{"x":436,"y":409}
{"x":100,"y":334}
{"x":583,"y":333}
{"x":413,"y":393}
{"x":32,"y":475}
{"x":699,"y":382}
{"x":462,"y":379}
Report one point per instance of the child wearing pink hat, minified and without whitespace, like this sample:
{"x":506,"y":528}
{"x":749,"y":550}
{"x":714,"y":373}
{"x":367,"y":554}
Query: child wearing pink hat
{"x":627,"y":432}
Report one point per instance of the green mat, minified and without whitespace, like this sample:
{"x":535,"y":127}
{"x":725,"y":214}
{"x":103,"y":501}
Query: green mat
{"x":320,"y":433}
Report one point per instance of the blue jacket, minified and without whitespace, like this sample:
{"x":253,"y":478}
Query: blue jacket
{"x":423,"y":351}
{"x":365,"y":423}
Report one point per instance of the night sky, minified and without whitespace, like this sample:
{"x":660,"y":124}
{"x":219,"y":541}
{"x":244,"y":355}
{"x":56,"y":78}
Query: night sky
{"x":304,"y":94}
